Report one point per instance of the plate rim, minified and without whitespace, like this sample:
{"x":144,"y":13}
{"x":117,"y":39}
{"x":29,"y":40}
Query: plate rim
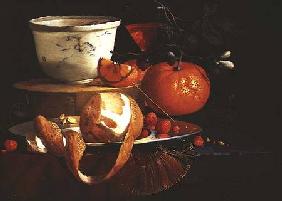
{"x":100,"y":144}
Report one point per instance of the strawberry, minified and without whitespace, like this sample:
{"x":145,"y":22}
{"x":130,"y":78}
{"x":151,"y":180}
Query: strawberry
{"x":144,"y":133}
{"x":198,"y":141}
{"x":151,"y":128}
{"x":163,"y":126}
{"x":163,"y":135}
{"x":151,"y":119}
{"x":10,"y":145}
{"x":176,"y":129}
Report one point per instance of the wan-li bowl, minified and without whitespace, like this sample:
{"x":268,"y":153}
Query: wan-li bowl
{"x":69,"y":47}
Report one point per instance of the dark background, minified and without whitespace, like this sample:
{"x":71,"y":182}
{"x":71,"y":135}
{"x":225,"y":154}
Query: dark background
{"x":245,"y":108}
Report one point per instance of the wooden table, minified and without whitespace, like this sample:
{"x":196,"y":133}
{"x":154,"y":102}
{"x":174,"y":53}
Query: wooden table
{"x":27,"y":177}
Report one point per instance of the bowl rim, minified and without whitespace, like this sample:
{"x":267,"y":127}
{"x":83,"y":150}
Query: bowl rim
{"x":108,"y":23}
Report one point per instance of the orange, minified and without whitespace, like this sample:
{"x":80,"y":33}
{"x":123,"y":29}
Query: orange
{"x":117,"y":75}
{"x":177,"y":92}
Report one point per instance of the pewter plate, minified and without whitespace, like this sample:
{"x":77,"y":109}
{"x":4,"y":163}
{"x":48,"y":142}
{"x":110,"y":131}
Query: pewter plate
{"x":26,"y":130}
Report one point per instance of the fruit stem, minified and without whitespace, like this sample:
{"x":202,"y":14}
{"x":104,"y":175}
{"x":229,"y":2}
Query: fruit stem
{"x":177,"y":67}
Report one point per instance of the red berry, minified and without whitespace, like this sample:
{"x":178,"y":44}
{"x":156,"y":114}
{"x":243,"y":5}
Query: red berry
{"x":176,"y":129}
{"x":198,"y":141}
{"x":163,"y":126}
{"x":151,"y":119}
{"x":11,"y":145}
{"x":151,"y":128}
{"x":144,"y":133}
{"x":163,"y":135}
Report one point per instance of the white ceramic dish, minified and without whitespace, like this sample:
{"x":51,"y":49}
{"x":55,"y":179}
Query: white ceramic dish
{"x":69,"y":47}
